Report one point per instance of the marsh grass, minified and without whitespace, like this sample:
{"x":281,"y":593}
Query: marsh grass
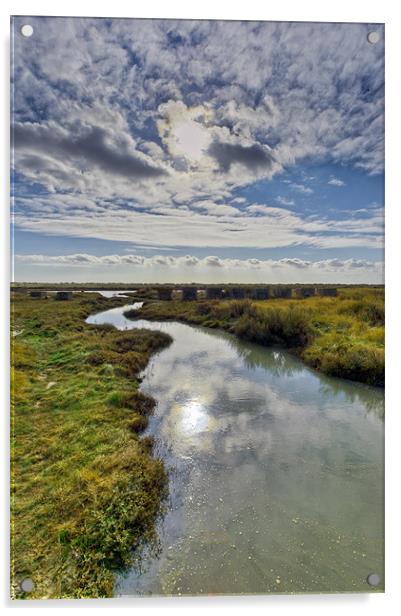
{"x":289,"y":327}
{"x":86,"y":490}
{"x":341,"y":336}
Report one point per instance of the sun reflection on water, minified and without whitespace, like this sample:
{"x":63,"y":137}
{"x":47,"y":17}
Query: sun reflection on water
{"x":194,"y":417}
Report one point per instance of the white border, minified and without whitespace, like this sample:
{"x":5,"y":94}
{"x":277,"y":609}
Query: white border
{"x":284,"y":10}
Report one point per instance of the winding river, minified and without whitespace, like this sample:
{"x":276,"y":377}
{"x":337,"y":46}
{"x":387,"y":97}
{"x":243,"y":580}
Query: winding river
{"x":275,"y":471}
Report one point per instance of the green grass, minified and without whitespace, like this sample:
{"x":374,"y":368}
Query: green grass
{"x":341,"y":336}
{"x":86,"y":490}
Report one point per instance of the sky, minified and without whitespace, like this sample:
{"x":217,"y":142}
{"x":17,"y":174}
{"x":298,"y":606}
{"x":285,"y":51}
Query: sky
{"x":204,"y":151}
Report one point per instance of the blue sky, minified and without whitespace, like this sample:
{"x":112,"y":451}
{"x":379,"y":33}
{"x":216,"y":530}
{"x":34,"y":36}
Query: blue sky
{"x":160,"y":150}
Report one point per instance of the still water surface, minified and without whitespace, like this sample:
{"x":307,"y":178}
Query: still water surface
{"x":275,"y":471}
{"x":107,"y":293}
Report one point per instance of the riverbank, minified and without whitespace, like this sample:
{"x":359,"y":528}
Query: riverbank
{"x":85,"y":487}
{"x":340,"y":336}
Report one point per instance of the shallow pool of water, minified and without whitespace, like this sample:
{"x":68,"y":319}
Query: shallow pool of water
{"x":275,"y":471}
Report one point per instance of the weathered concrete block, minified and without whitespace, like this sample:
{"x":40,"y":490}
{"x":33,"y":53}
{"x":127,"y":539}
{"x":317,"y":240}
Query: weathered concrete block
{"x":189,"y":294}
{"x":283,"y":292}
{"x":214,"y":292}
{"x":64,"y":295}
{"x":237,"y":292}
{"x":38,"y":294}
{"x":327,"y":292}
{"x":165,"y":294}
{"x":260,"y":293}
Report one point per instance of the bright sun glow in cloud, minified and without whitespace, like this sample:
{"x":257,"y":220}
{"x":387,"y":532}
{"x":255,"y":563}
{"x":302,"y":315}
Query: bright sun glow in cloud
{"x":183,"y":130}
{"x":191,"y":139}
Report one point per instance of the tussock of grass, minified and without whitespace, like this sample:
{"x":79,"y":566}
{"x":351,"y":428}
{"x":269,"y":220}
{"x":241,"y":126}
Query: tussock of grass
{"x":365,"y":309}
{"x":335,"y":355}
{"x":86,"y":490}
{"x":288,"y":326}
{"x":341,"y":336}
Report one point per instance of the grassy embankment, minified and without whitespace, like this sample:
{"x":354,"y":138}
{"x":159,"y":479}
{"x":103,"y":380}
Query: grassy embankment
{"x":85,"y":487}
{"x":341,"y":336}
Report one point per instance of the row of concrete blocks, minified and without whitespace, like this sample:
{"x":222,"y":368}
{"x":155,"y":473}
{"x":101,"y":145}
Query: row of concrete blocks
{"x":60,"y":295}
{"x":258,"y":293}
{"x":193,"y":293}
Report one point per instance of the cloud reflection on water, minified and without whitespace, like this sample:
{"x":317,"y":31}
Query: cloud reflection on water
{"x":266,"y":455}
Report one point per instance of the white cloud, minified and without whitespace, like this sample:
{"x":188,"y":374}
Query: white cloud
{"x":213,"y":261}
{"x":301,"y":188}
{"x":188,"y":267}
{"x":298,"y":263}
{"x":285,"y":200}
{"x":336,"y":182}
{"x":203,"y":223}
{"x":192,"y":261}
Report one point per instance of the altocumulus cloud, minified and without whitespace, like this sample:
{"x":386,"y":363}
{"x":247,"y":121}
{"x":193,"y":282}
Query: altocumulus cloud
{"x":336,"y":182}
{"x":73,"y":132}
{"x":147,"y":131}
